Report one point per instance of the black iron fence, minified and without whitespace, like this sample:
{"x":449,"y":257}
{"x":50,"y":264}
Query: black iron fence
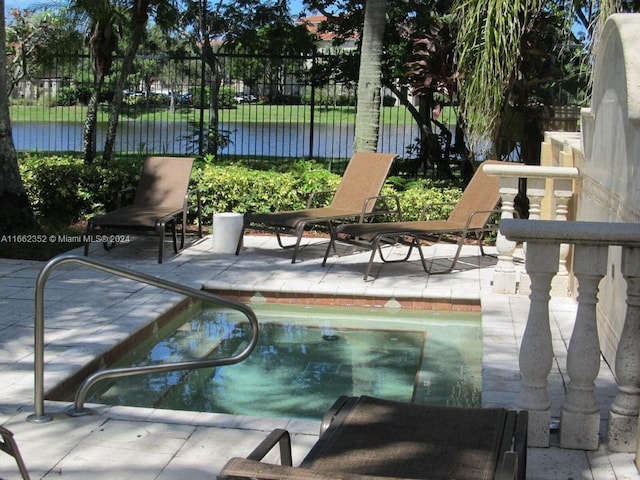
{"x":269,"y":108}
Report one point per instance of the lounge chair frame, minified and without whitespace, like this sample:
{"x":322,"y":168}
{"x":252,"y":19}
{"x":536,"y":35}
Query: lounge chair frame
{"x":356,"y":199}
{"x":160,"y":203}
{"x":346,"y":449}
{"x":464,"y":221}
{"x":10,"y":447}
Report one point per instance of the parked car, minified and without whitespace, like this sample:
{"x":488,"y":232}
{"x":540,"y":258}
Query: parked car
{"x":245,"y":98}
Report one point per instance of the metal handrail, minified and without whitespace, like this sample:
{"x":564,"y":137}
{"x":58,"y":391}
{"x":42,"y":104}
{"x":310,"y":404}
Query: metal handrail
{"x":39,"y":415}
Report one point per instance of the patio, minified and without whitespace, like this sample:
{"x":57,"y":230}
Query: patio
{"x":87,"y":311}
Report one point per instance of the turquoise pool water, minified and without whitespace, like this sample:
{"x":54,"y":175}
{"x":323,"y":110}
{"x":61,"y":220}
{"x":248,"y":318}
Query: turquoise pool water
{"x":307,"y":357}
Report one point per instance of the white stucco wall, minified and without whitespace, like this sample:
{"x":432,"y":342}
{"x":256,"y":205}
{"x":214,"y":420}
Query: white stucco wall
{"x":610,"y":189}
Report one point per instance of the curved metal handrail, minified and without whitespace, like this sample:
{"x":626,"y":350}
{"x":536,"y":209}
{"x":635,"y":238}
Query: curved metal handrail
{"x":39,"y":415}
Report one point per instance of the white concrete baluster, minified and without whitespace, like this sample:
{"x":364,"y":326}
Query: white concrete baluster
{"x":580,"y":417}
{"x":536,"y":352}
{"x":562,"y":194}
{"x":623,"y":414}
{"x":504,"y":279}
{"x":535,"y":193}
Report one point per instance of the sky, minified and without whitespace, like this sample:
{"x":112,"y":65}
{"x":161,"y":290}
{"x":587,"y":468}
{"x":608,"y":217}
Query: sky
{"x":296,"y":5}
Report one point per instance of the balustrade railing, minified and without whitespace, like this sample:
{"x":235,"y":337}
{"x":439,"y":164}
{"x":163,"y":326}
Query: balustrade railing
{"x":580,"y":413}
{"x":556,"y":183}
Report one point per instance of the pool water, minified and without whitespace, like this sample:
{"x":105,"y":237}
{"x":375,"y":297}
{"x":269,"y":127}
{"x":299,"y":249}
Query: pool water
{"x":306,"y":358}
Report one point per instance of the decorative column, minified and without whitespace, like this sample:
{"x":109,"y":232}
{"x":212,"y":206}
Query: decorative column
{"x":562,"y":194}
{"x":623,"y":414}
{"x":580,"y":417}
{"x":536,"y":190}
{"x":504,"y":278}
{"x":536,"y":351}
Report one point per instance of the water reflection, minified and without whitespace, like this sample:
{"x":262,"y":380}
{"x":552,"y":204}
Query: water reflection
{"x":251,"y":138}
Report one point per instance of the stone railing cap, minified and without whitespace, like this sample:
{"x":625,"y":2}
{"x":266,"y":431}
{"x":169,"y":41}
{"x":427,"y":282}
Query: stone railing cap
{"x":530,"y":171}
{"x":579,"y":233}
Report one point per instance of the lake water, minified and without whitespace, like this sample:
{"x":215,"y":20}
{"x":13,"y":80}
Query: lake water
{"x":261,"y":139}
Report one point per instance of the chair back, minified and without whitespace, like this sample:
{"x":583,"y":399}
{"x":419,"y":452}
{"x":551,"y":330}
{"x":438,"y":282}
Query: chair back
{"x":163,"y":182}
{"x":482,"y":194}
{"x":364,"y":177}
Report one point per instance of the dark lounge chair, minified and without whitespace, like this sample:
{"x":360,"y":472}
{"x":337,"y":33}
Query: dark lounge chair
{"x":9,"y":446}
{"x":159,"y":202}
{"x":366,"y":438}
{"x":354,"y":199}
{"x":470,"y":216}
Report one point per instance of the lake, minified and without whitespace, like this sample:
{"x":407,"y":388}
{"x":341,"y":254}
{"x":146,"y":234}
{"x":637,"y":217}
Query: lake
{"x":251,"y":139}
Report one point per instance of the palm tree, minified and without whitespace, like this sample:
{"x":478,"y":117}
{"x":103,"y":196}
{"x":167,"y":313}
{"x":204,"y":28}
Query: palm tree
{"x":16,"y":213}
{"x":489,"y":41}
{"x":102,"y":20}
{"x":166,"y":14}
{"x":370,"y":77}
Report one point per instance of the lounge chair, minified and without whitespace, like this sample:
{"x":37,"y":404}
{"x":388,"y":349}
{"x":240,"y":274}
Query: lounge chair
{"x":9,"y":446}
{"x":159,"y":202}
{"x":470,"y":216}
{"x":366,"y":438}
{"x":355,"y":198}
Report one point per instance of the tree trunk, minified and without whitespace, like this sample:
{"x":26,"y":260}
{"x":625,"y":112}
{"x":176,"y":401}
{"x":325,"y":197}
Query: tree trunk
{"x":140,"y":16}
{"x":91,"y":122}
{"x":16,"y":215}
{"x":370,"y":77}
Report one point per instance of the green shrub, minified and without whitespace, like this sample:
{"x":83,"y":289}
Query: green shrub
{"x":63,"y":190}
{"x":52,"y":187}
{"x":67,"y":96}
{"x":235,"y":188}
{"x":424,"y":191}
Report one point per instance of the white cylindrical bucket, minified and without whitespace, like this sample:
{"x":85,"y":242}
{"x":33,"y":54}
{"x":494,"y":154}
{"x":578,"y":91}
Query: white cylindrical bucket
{"x":227,"y":228}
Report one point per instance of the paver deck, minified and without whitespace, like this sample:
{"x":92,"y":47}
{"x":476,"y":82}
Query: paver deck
{"x":88,"y":311}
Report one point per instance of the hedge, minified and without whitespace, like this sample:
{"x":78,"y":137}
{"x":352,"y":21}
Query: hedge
{"x":63,"y":190}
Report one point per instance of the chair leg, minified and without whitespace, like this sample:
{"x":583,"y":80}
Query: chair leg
{"x":240,"y":239}
{"x":9,"y":445}
{"x":299,"y":233}
{"x":331,"y":246}
{"x":174,"y":237}
{"x":160,"y":228}
{"x":183,"y":231}
{"x":87,"y":242}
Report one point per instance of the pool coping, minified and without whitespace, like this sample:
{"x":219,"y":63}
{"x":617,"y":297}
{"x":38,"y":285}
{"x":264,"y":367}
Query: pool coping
{"x":355,"y":300}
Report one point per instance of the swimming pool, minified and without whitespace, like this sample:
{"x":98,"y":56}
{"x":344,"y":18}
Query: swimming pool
{"x":306,"y":358}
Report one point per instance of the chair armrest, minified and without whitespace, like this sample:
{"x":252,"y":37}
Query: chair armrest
{"x":278,"y":437}
{"x":478,"y":212}
{"x":369,"y":207}
{"x":425,"y":208}
{"x":508,"y":467}
{"x":122,"y":193}
{"x":242,"y":468}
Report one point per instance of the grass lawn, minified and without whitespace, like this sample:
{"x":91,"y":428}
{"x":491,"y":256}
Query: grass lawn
{"x":249,"y":112}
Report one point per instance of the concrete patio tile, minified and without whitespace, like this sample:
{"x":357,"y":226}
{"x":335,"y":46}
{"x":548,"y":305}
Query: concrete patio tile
{"x":556,"y":464}
{"x":195,"y":445}
{"x":106,"y":462}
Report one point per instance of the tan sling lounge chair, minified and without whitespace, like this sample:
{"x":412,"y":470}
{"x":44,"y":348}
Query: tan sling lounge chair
{"x":355,"y":198}
{"x":471,"y":215}
{"x":160,"y":202}
{"x":367,"y":438}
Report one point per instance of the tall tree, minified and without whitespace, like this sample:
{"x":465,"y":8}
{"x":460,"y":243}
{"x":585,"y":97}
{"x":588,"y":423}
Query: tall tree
{"x":16,"y":214}
{"x":101,"y":21}
{"x":370,"y":77}
{"x":166,"y":14}
{"x":217,"y":26}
